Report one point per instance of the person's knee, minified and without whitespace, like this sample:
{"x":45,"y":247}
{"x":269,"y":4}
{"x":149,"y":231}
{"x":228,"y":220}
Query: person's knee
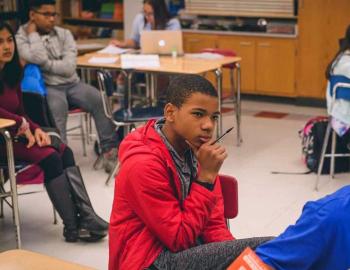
{"x":52,"y":166}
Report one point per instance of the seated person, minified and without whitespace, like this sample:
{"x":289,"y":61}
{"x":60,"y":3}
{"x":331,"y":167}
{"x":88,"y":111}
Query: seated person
{"x":62,"y":177}
{"x":155,"y":16}
{"x":54,"y":50}
{"x":168,"y":206}
{"x":340,"y":65}
{"x":319,"y":240}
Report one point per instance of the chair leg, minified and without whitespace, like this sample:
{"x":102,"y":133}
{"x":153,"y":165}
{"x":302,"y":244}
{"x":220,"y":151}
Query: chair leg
{"x":113,"y":173}
{"x":238,"y":104}
{"x":2,"y":191}
{"x":228,"y":224}
{"x":334,"y":143}
{"x":54,"y":215}
{"x":82,"y":133}
{"x":323,"y":153}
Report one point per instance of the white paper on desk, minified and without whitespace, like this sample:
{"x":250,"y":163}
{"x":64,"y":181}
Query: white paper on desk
{"x":206,"y":55}
{"x":111,"y":49}
{"x":139,"y":60}
{"x":102,"y":60}
{"x":89,"y":46}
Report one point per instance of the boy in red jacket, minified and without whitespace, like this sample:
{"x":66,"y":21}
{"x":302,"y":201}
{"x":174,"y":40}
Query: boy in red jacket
{"x":168,"y":207}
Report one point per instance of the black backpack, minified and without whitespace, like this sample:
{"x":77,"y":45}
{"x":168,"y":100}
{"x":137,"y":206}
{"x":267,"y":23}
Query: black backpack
{"x":312,"y":140}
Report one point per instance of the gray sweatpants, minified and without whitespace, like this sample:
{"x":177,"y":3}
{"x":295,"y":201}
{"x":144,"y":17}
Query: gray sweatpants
{"x":87,"y":98}
{"x":212,"y":256}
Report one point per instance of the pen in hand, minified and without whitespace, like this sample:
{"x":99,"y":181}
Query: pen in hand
{"x":218,"y":139}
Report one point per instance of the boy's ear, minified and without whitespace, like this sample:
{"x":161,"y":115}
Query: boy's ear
{"x":169,"y":112}
{"x":31,"y":15}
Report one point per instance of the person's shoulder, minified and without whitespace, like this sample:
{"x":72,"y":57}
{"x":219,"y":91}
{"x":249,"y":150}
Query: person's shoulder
{"x":139,"y":18}
{"x":62,"y":31}
{"x":174,"y":24}
{"x":336,"y":206}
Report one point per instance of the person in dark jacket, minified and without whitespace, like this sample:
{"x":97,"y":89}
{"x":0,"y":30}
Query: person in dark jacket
{"x":62,"y":177}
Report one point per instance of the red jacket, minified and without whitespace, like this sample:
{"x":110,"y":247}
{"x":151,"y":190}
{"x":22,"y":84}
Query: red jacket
{"x":147,"y":214}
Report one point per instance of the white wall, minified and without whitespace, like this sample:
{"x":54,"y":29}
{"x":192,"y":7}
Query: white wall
{"x":131,"y":8}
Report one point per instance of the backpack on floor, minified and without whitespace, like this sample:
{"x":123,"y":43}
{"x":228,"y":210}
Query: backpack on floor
{"x":312,"y":136}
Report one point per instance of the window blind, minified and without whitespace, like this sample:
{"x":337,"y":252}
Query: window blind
{"x":252,"y":8}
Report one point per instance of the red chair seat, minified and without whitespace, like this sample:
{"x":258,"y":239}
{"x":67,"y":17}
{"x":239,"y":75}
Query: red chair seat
{"x":229,"y":188}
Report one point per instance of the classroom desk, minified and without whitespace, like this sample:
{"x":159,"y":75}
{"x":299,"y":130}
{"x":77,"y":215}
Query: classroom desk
{"x":178,"y":65}
{"x":6,"y":123}
{"x":28,"y":260}
{"x":91,"y":44}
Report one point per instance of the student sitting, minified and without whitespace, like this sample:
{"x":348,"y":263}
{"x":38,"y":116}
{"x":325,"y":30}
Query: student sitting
{"x":155,"y":16}
{"x":54,"y":50}
{"x":168,"y":207}
{"x":62,"y":177}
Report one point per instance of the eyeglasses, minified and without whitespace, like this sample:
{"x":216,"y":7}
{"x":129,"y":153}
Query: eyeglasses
{"x":47,"y":14}
{"x":148,"y":14}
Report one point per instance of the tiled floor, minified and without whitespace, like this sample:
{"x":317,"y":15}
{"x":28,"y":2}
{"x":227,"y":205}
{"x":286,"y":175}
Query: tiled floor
{"x":267,"y":202}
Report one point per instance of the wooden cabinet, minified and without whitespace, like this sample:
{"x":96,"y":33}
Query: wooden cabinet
{"x":275,"y":66}
{"x":268,"y":64}
{"x":194,"y":43}
{"x":245,"y":48}
{"x":321,"y":24}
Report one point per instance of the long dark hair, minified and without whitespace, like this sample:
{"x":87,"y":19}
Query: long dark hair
{"x":161,"y":13}
{"x":11,"y":74}
{"x":344,"y":45}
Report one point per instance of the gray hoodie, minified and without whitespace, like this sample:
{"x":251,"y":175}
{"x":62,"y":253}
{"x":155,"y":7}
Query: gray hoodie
{"x":55,"y":53}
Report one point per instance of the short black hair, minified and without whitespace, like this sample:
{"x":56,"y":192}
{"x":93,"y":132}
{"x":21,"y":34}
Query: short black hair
{"x":183,"y":86}
{"x":35,"y":4}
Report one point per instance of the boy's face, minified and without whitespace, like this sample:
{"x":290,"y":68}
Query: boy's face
{"x":44,"y":18}
{"x":195,"y":120}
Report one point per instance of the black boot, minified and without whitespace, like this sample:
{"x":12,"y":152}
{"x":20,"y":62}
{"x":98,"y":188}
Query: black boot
{"x":88,"y":219}
{"x":60,"y":196}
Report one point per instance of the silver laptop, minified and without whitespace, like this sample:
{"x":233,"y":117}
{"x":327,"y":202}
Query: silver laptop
{"x":162,"y":42}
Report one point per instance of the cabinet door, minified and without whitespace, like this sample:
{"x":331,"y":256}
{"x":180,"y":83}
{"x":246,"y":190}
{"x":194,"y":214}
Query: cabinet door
{"x":245,"y":48}
{"x":275,"y":66}
{"x":194,"y":43}
{"x":312,"y":48}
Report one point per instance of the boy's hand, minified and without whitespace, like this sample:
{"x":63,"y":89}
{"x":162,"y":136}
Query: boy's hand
{"x":31,"y":28}
{"x":210,"y":158}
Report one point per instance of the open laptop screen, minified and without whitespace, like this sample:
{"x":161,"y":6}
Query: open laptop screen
{"x":161,"y":42}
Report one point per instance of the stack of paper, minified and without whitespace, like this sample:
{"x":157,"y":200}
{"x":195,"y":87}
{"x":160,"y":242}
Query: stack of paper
{"x":111,"y":49}
{"x":206,"y":55}
{"x":139,"y":60}
{"x":103,"y":60}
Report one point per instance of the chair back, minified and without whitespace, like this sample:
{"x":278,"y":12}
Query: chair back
{"x":36,"y":107}
{"x":340,"y":85}
{"x":229,"y":188}
{"x":106,"y":88}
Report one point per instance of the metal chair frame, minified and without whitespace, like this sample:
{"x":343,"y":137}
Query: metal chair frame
{"x":332,"y":155}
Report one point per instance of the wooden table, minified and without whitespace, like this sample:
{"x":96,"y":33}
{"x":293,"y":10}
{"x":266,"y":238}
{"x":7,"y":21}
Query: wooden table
{"x":27,"y":260}
{"x":91,"y":44}
{"x":4,"y":124}
{"x":170,"y":65}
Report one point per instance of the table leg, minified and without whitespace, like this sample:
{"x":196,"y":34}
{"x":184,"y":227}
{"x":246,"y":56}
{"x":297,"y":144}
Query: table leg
{"x":11,"y":168}
{"x":238,"y":105}
{"x":153,"y":90}
{"x":218,"y":74}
